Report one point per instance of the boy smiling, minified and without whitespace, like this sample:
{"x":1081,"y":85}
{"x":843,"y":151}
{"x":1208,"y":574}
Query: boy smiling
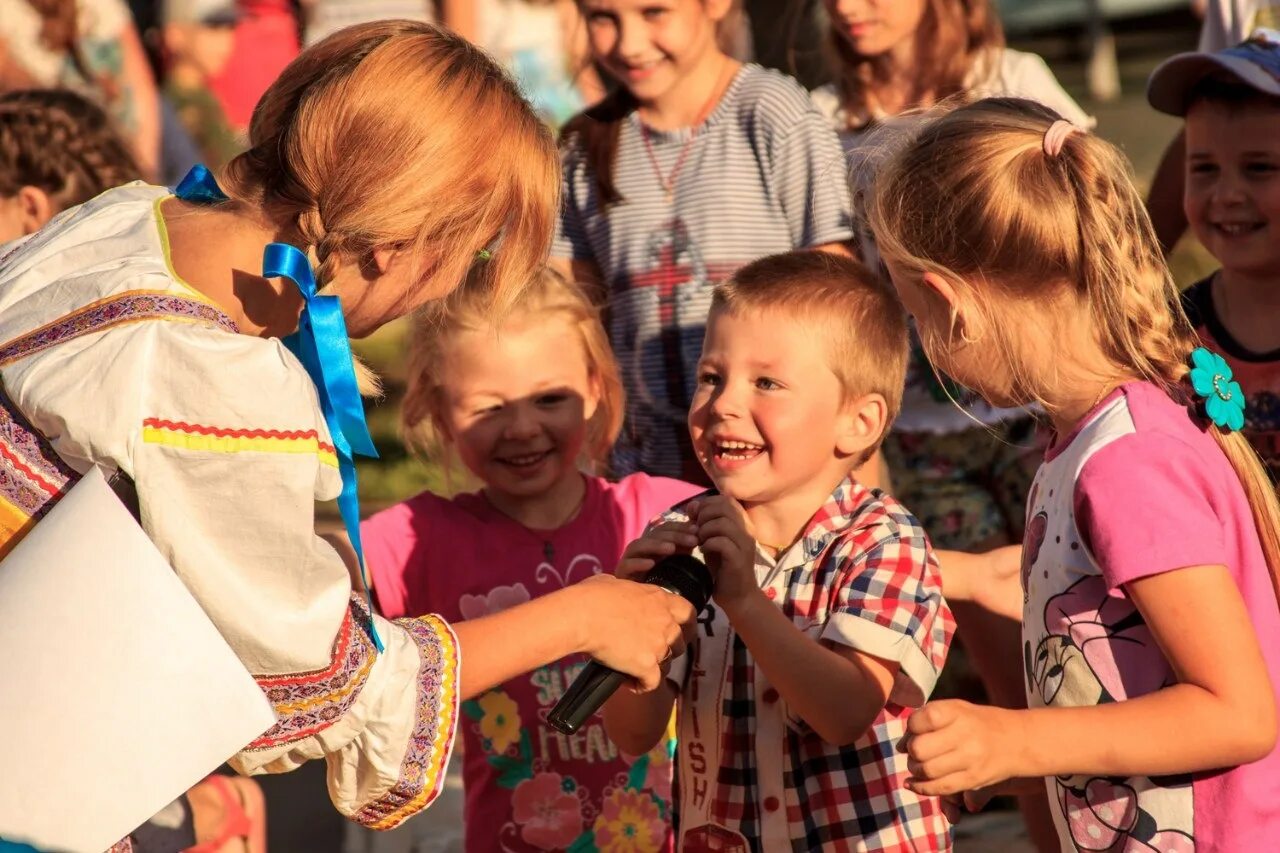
{"x":828,"y":623}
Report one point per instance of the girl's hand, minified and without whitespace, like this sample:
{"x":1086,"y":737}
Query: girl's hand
{"x":632,"y":627}
{"x":643,"y":554}
{"x":955,"y":746}
{"x":725,"y":536}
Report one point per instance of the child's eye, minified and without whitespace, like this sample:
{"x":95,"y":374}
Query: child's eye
{"x":1261,"y":168}
{"x":708,"y":378}
{"x":599,"y":19}
{"x":654,"y":13}
{"x":552,"y":399}
{"x":1203,"y":168}
{"x":484,"y":411}
{"x":764,"y":383}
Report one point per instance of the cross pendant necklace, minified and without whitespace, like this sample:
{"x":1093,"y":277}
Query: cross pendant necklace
{"x":668,"y":182}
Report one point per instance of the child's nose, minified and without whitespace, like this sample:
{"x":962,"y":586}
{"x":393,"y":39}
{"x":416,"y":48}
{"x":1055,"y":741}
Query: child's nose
{"x":727,"y":402}
{"x":523,"y":423}
{"x":633,"y":41}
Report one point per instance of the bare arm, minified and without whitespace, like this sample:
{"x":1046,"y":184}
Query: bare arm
{"x":836,"y":690}
{"x":1164,"y":201}
{"x":628,"y":626}
{"x":991,"y":580}
{"x":1221,"y":676}
{"x":637,"y":721}
{"x":140,"y":88}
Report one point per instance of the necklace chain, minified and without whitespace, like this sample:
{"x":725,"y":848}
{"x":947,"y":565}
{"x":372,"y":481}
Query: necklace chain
{"x":543,"y":536}
{"x":668,"y":182}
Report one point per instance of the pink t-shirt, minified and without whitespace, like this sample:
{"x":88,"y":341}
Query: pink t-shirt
{"x":528,"y":786}
{"x":1139,"y":489}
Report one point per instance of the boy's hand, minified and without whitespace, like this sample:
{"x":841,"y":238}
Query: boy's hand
{"x":725,"y":537}
{"x":954,"y":746}
{"x":671,"y":537}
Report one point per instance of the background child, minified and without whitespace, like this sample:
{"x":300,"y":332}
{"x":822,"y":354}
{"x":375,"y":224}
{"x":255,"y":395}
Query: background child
{"x":521,"y":405}
{"x":695,"y":165}
{"x":198,"y":37}
{"x":816,"y":648}
{"x":1231,"y":101}
{"x":57,"y":150}
{"x":1144,"y":518}
{"x":90,"y":46}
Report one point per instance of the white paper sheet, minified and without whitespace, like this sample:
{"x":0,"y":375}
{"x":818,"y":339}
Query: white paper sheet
{"x":116,"y":691}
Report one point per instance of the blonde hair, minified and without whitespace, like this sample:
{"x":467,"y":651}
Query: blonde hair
{"x":956,"y":45}
{"x":973,"y":197}
{"x":861,"y":318}
{"x":546,"y":297}
{"x":399,"y":134}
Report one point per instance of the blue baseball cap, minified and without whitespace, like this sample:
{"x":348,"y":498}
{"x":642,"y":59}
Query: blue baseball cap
{"x":1254,"y":62}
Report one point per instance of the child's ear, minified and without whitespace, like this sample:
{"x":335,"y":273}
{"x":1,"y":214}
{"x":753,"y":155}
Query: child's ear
{"x":35,"y":208}
{"x":862,"y":424}
{"x":942,"y":289}
{"x":591,"y":402}
{"x":717,"y":10}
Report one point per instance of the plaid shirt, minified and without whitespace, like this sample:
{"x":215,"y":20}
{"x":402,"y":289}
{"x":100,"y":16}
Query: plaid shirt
{"x":752,"y":776}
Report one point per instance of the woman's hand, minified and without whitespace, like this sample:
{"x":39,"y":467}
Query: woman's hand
{"x":671,"y":537}
{"x":632,"y":627}
{"x":955,"y":746}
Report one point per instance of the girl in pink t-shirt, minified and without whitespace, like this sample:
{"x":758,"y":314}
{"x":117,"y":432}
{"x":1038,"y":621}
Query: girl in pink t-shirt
{"x":522,"y":405}
{"x":1151,"y":633}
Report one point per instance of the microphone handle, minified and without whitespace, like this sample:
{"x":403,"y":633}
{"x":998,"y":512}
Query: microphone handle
{"x":585,"y":695}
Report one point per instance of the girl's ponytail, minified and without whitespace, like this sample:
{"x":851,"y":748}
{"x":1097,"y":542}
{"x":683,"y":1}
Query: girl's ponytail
{"x":1025,"y":220}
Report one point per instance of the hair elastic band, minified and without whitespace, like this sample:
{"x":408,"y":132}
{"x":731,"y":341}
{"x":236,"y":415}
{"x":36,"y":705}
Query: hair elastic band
{"x":1056,"y":135}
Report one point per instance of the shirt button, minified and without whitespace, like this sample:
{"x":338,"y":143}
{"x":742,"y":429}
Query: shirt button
{"x":770,"y":696}
{"x":771,"y":593}
{"x":771,"y":804}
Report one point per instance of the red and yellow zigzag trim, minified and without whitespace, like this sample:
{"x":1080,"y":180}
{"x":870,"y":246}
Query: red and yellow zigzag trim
{"x":222,"y":440}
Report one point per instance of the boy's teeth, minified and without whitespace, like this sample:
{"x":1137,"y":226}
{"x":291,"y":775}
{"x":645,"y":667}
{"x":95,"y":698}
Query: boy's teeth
{"x":738,"y":445}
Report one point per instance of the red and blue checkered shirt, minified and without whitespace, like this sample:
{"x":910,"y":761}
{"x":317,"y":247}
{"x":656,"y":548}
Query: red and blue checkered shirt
{"x":751,"y":775}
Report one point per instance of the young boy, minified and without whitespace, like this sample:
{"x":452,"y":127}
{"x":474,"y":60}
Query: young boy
{"x":1231,"y":102}
{"x":828,"y":624}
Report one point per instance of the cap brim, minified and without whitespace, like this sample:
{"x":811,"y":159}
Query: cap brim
{"x":1173,"y":79}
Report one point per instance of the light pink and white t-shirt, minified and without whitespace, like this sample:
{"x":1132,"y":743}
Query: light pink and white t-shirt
{"x":1139,"y":489}
{"x":530,"y":787}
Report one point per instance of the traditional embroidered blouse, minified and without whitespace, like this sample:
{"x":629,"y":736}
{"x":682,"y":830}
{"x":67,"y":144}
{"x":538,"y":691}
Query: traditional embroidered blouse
{"x":109,"y":358}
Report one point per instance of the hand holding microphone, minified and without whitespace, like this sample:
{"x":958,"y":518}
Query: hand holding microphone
{"x":678,"y":574}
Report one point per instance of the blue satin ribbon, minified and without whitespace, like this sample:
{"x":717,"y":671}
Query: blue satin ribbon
{"x":321,"y":344}
{"x":199,"y":187}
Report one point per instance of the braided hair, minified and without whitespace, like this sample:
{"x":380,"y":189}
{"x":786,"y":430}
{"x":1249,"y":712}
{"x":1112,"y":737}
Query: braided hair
{"x":61,"y":143}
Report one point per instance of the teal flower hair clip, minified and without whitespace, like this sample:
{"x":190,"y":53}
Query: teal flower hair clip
{"x":1222,"y":397}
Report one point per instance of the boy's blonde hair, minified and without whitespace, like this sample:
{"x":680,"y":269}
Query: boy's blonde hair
{"x":972,"y":196}
{"x":858,"y":314}
{"x":547,"y":296}
{"x":399,"y":134}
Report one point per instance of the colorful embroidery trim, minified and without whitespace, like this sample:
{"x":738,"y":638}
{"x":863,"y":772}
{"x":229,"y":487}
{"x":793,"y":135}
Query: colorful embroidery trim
{"x":310,"y":702}
{"x":129,"y":307}
{"x":32,"y":477}
{"x":221,"y":440}
{"x":423,"y":769}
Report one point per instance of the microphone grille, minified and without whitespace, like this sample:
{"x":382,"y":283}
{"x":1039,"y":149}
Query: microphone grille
{"x":685,"y":575}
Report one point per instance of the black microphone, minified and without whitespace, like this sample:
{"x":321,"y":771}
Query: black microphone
{"x":681,"y":574}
